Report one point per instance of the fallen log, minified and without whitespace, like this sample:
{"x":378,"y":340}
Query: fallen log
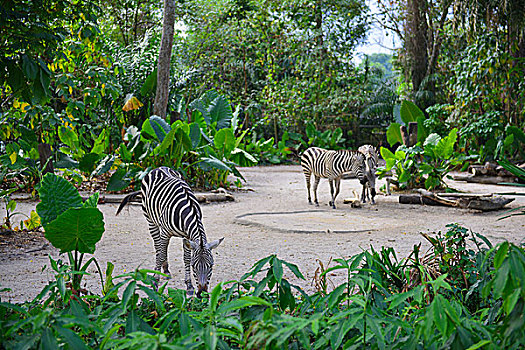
{"x":483,"y":203}
{"x":493,"y":180}
{"x":467,"y":195}
{"x":418,"y":199}
{"x":488,"y":204}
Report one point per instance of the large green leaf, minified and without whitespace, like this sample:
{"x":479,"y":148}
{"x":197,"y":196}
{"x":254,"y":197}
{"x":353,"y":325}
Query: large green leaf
{"x":422,"y":131}
{"x":56,"y":196}
{"x":410,"y":112}
{"x":101,"y":142}
{"x":166,"y":142}
{"x":208,"y":163}
{"x":393,"y":134}
{"x":202,"y":105}
{"x":88,"y":162}
{"x":220,"y":112}
{"x":195,"y":135}
{"x":66,"y":162}
{"x":445,"y":147}
{"x":183,"y":138}
{"x":519,"y":135}
{"x":76,"y":229}
{"x":225,"y":141}
{"x":160,"y":127}
{"x":68,"y":136}
{"x":29,"y":67}
{"x":150,"y":83}
{"x":125,"y":154}
{"x":118,"y":181}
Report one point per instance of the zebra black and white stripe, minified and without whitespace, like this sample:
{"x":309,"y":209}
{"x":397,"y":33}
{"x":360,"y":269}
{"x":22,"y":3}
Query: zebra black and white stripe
{"x":371,"y":163}
{"x":331,"y":165}
{"x":171,"y":210}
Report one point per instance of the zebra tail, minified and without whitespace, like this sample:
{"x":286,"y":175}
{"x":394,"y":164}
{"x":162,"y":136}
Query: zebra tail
{"x":126,"y":200}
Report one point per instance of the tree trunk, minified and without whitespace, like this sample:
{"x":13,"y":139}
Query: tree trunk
{"x":163,"y":71}
{"x":45,"y":154}
{"x":416,"y":41}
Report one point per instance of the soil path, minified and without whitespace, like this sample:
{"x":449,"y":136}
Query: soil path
{"x":271,"y":217}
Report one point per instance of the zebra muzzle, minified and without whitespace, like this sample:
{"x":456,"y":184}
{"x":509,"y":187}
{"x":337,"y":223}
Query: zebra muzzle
{"x":201,"y":289}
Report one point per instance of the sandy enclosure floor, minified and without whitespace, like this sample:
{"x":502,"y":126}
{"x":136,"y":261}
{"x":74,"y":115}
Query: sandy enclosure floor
{"x":272,"y":216}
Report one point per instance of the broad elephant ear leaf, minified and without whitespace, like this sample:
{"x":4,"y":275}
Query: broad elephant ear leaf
{"x":393,"y":134}
{"x":56,"y":196}
{"x":410,"y":112}
{"x":209,"y":163}
{"x":160,"y":127}
{"x":76,"y":229}
{"x":225,"y":141}
{"x":220,"y":112}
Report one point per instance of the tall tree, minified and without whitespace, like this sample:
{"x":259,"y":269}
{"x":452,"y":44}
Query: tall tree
{"x":163,"y":70}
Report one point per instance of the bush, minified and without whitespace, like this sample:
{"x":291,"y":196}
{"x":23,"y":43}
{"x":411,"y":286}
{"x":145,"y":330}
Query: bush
{"x":452,"y":297}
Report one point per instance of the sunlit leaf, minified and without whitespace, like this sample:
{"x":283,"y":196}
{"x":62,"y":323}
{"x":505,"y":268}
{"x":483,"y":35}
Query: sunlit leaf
{"x":131,"y":103}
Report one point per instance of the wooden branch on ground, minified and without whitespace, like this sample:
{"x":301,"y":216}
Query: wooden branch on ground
{"x":483,"y":202}
{"x":494,"y":180}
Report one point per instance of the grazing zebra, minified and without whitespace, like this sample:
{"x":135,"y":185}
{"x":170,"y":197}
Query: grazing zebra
{"x":331,"y":165}
{"x":371,"y":161}
{"x":171,"y":209}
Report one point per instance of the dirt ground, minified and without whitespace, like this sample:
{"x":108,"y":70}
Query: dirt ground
{"x":270,"y":216}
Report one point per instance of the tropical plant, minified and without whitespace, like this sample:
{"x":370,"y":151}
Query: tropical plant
{"x":406,"y":113}
{"x":71,"y":225}
{"x":457,"y":295}
{"x":330,"y":139}
{"x":423,"y":165}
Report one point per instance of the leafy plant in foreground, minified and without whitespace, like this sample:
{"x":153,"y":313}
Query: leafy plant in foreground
{"x":376,"y":307}
{"x":70,"y":225}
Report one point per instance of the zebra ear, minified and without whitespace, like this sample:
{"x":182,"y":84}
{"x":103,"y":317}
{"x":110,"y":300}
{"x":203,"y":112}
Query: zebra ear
{"x":214,"y":244}
{"x":189,"y":244}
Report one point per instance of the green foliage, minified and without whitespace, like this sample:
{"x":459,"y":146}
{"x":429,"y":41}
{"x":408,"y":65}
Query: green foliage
{"x":70,"y":225}
{"x":329,"y":139}
{"x":32,"y":222}
{"x":204,"y":147}
{"x":457,"y":295}
{"x":408,"y":112}
{"x":426,"y":165}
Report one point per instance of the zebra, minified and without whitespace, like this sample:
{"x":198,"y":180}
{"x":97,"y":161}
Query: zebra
{"x":371,"y":162}
{"x":331,"y":165}
{"x":171,"y":210}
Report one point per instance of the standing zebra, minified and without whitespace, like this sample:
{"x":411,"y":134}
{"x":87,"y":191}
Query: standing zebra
{"x":171,"y":209}
{"x":371,"y":161}
{"x":331,"y":165}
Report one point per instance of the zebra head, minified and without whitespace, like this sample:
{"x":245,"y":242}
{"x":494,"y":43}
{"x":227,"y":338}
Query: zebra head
{"x":202,"y":262}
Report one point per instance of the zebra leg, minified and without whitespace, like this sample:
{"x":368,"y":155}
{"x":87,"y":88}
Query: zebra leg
{"x":161,"y":250}
{"x":337,"y":187}
{"x":187,"y":268}
{"x":332,"y":202}
{"x":307,"y":176}
{"x":316,"y":183}
{"x":364,"y":194}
